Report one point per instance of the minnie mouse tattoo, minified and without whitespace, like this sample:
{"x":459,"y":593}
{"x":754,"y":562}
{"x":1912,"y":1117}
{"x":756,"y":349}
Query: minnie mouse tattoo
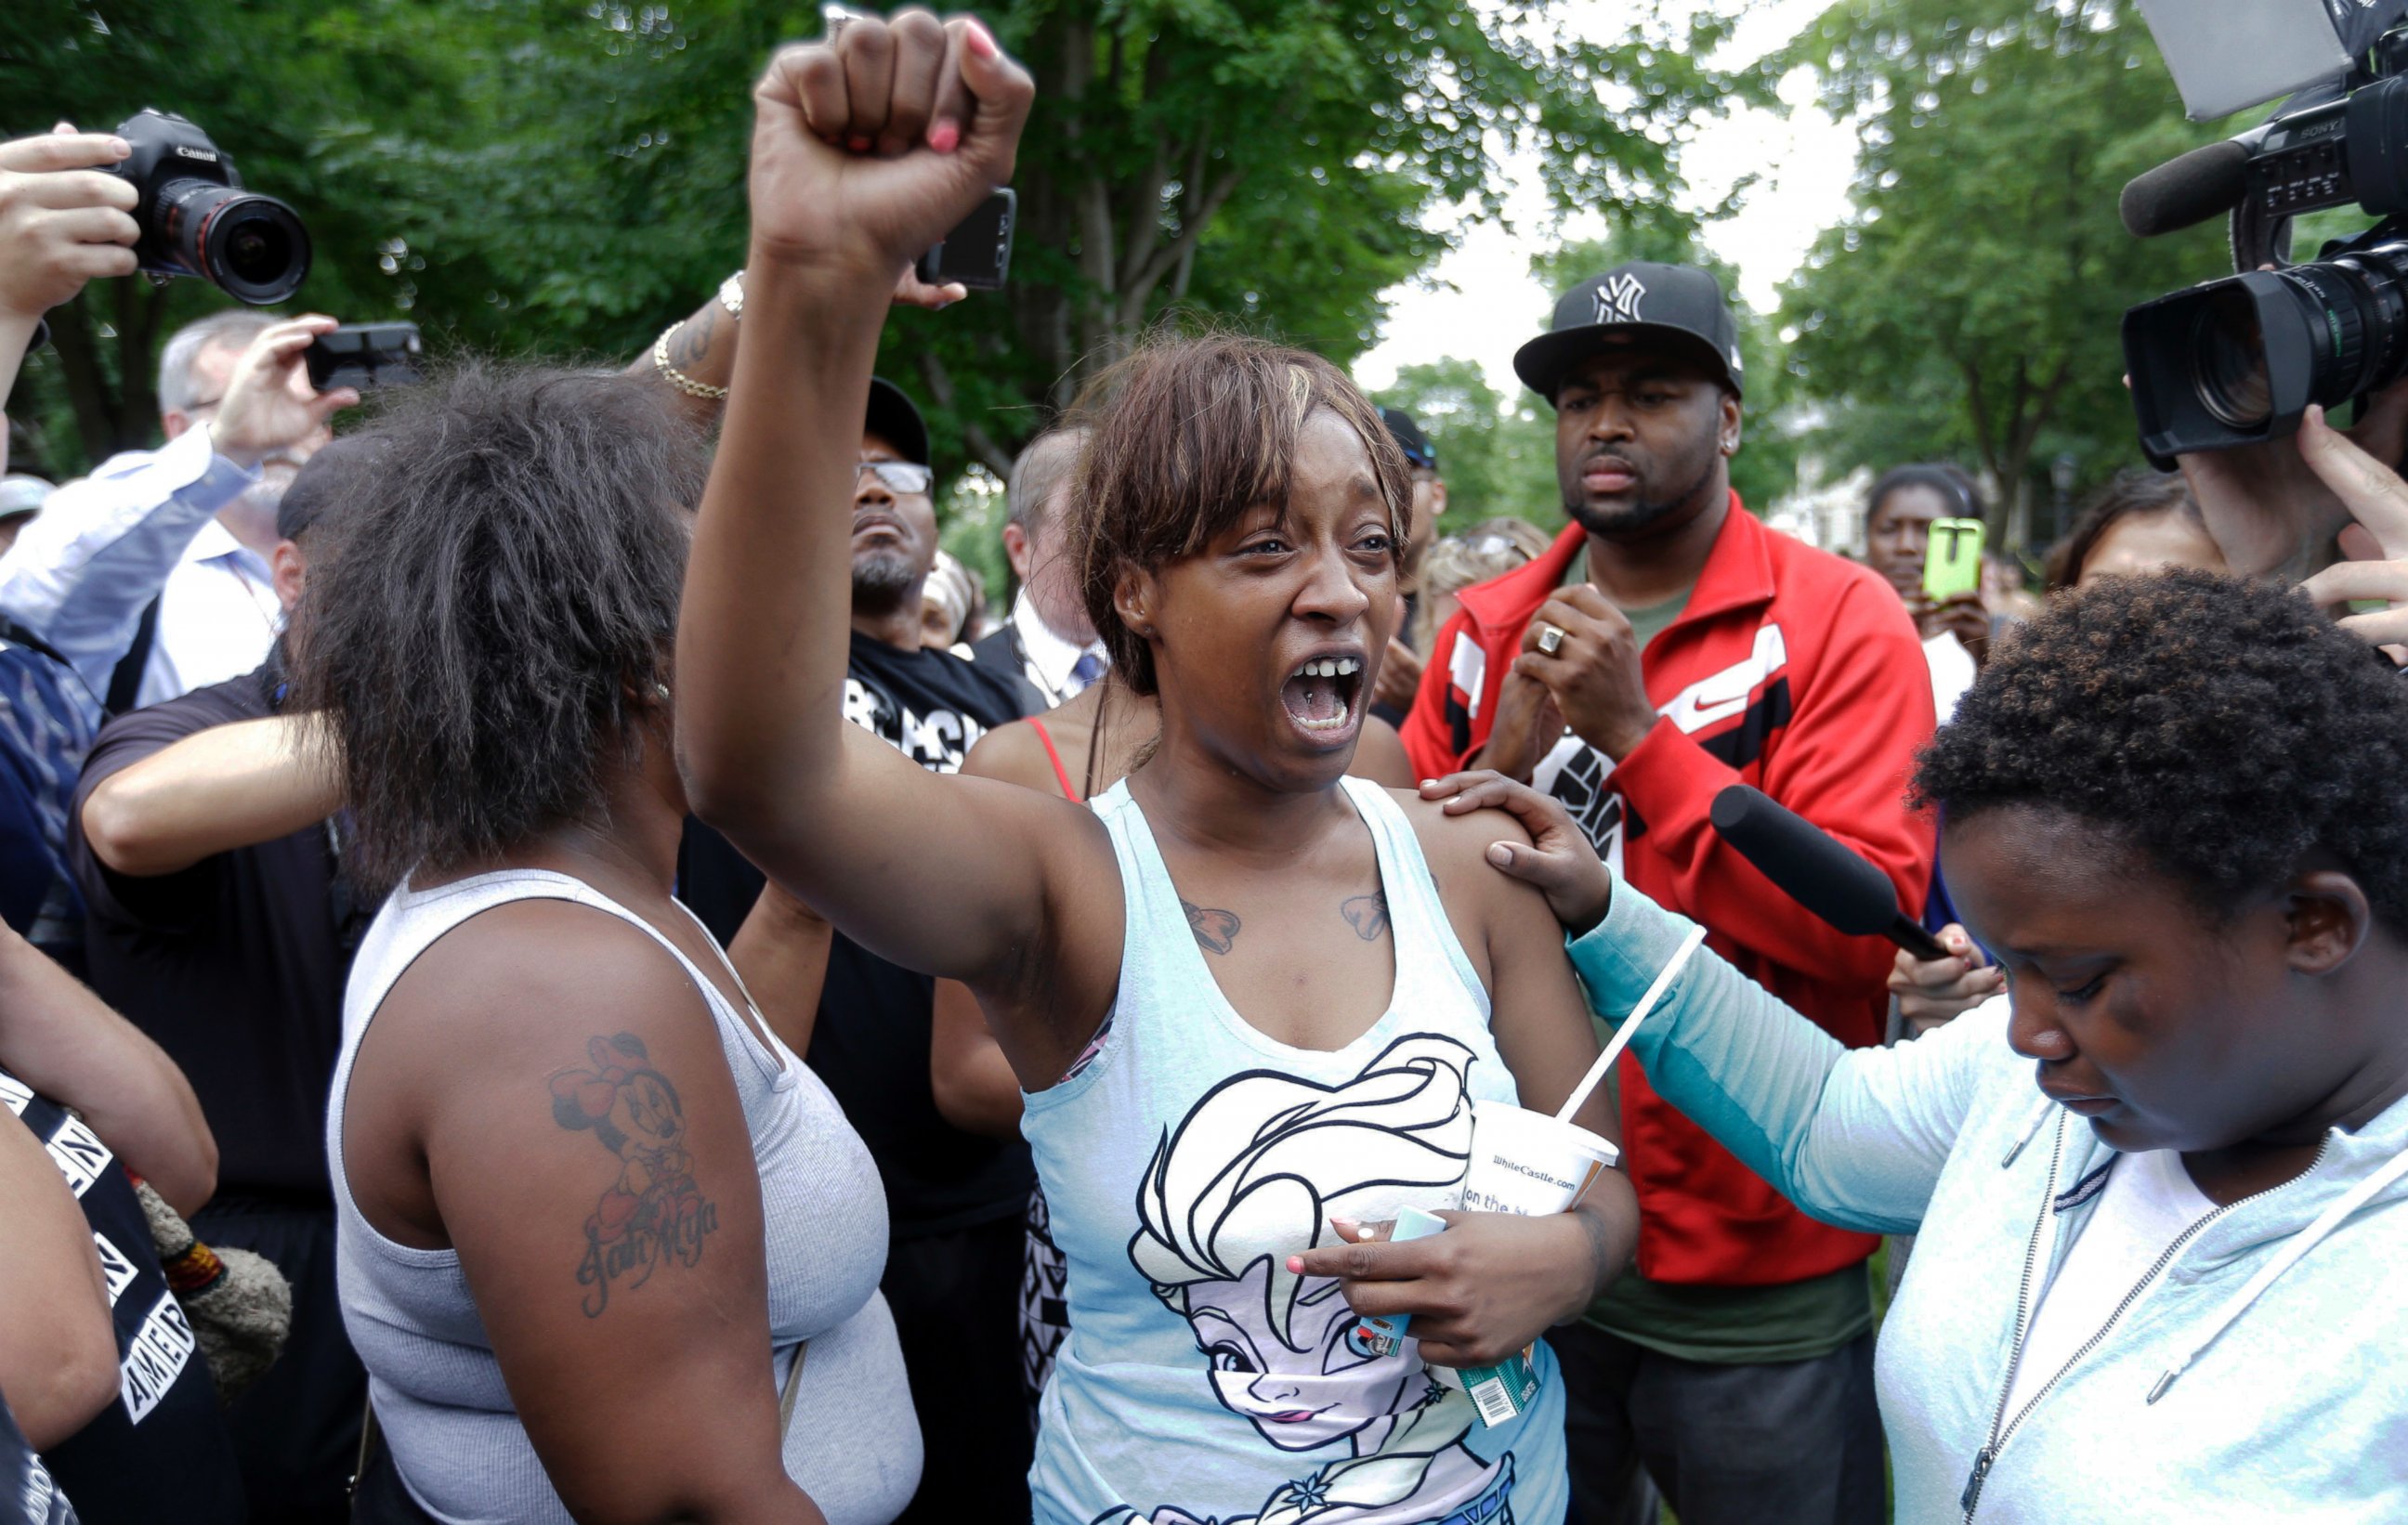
{"x":653,"y":1214}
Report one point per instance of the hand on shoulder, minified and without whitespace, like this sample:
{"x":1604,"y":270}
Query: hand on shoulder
{"x":1525,"y":837}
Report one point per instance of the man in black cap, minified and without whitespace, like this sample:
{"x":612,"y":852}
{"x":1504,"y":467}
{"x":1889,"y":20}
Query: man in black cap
{"x":955,"y":1200}
{"x":205,"y":841}
{"x":1400,"y":670}
{"x":1666,"y":647}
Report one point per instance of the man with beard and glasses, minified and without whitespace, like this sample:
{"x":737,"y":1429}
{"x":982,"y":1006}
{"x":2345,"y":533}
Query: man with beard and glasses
{"x":955,"y":1200}
{"x":150,"y":575}
{"x":1668,"y":647}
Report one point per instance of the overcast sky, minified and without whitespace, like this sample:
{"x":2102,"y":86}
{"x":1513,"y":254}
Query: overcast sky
{"x":1479,"y":300}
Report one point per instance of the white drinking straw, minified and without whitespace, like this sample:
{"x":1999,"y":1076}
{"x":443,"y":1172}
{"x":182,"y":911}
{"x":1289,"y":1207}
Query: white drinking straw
{"x":1622,"y":1035}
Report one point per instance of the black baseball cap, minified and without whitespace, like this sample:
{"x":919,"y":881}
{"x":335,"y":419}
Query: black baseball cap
{"x":895,"y":418}
{"x":1638,"y":299}
{"x":1409,"y":437}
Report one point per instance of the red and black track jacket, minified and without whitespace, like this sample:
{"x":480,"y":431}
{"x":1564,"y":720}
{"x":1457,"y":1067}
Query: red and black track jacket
{"x":1790,"y":669}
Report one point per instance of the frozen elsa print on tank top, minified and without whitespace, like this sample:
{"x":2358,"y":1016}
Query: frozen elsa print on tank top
{"x":1203,"y":1383}
{"x":1259,"y":1166}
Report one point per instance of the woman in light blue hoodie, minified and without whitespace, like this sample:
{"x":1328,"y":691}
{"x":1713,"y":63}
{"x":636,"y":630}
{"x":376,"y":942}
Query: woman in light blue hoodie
{"x":2168,"y":1285}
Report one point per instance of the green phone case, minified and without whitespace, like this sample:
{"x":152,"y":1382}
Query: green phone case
{"x":1952,"y":563}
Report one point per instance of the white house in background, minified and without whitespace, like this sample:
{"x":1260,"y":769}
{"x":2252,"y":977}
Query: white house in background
{"x":1828,"y":515}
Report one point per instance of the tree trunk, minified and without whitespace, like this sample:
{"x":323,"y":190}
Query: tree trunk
{"x":1117,"y":222}
{"x":124,"y":417}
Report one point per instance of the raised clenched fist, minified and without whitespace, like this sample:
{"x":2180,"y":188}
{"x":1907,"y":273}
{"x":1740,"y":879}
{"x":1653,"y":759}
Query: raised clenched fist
{"x":870,"y":145}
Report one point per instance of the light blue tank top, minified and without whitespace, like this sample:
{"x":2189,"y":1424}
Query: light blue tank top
{"x":1187,"y":1161}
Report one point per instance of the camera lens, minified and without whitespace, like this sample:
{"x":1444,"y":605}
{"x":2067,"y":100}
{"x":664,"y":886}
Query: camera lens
{"x":255,"y":248}
{"x":2229,"y":360}
{"x":258,"y":250}
{"x":250,"y":246}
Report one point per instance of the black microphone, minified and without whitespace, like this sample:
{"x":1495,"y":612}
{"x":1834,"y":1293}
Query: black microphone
{"x":1816,"y":870}
{"x":2179,"y":193}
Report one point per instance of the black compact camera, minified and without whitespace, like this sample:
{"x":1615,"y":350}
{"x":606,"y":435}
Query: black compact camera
{"x":2238,"y":360}
{"x":197,"y":220}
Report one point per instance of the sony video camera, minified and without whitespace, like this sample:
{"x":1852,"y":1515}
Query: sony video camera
{"x":197,"y":220}
{"x":2238,"y":360}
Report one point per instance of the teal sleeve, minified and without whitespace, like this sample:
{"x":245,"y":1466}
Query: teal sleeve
{"x":1854,"y":1137}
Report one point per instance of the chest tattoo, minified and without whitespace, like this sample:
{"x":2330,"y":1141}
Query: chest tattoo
{"x":1367,"y":915}
{"x":1216,"y":931}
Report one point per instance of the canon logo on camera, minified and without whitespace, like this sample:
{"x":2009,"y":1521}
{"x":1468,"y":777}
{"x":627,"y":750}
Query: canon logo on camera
{"x":203,"y":154}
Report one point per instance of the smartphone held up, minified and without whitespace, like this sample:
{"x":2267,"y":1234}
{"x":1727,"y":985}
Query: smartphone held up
{"x":1952,"y":559}
{"x":364,"y":356}
{"x":977,"y":253}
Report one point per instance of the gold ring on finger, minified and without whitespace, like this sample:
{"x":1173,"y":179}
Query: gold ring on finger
{"x":1550,"y":639}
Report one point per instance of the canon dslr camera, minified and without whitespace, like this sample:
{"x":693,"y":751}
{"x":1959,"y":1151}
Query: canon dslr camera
{"x":197,"y":220}
{"x":2238,"y":360}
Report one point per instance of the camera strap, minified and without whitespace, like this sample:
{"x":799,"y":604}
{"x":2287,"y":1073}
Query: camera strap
{"x":125,"y":678}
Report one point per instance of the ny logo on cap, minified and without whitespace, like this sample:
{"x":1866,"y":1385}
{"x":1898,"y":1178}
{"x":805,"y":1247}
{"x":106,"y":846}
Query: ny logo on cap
{"x":1617,"y":300}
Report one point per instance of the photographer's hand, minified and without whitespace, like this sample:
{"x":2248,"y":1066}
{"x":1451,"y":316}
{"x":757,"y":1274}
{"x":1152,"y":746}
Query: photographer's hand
{"x":2270,"y":511}
{"x":1966,"y":618}
{"x":62,"y":223}
{"x":269,"y":404}
{"x":2376,"y":542}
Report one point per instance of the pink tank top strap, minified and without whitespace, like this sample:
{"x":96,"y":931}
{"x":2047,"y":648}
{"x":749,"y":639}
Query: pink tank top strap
{"x":1061,"y":774}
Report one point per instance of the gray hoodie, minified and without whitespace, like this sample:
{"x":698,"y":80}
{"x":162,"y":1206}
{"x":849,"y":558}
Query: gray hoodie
{"x":2259,"y":1372}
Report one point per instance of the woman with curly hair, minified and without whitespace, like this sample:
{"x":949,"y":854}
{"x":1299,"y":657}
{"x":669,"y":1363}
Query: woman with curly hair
{"x":592,"y":1213}
{"x":2161,"y":1288}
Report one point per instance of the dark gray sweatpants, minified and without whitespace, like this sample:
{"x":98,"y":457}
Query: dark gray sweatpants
{"x":1796,"y":1441}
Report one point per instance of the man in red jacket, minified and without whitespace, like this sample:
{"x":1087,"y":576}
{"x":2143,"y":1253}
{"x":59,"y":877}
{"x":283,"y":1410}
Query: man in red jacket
{"x":1670,"y":646}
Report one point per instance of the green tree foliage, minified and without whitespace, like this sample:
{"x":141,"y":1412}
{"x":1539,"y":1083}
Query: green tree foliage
{"x":266,"y":79}
{"x":560,"y":175}
{"x":1498,"y":454}
{"x":1968,"y":306}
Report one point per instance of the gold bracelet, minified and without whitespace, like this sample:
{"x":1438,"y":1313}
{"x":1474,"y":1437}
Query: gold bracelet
{"x":731,"y":295}
{"x":676,"y":378}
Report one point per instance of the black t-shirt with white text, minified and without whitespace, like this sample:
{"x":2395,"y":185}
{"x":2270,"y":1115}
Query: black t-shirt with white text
{"x":161,"y":1452}
{"x":28,"y":1493}
{"x":870,"y":1041}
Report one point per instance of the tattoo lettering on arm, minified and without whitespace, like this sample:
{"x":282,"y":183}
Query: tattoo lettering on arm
{"x":1367,"y":915}
{"x":1216,"y":931}
{"x":653,"y":1215}
{"x":691,"y":340}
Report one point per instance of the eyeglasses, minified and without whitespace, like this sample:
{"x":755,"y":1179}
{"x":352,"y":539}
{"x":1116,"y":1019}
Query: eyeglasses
{"x":904,"y":476}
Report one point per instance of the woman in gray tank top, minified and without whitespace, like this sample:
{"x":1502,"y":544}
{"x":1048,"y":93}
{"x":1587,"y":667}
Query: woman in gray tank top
{"x":607,"y":1248}
{"x":1251,"y":1003}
